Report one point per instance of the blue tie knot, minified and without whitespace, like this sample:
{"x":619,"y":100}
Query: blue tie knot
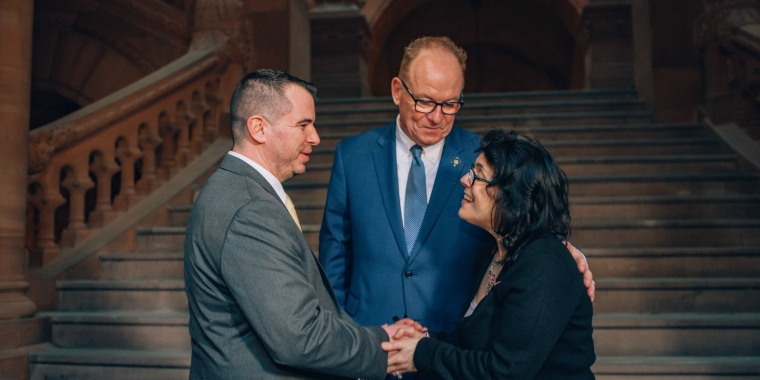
{"x":416,"y":151}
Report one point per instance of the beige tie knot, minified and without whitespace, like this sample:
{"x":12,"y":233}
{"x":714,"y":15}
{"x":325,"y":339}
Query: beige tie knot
{"x":292,"y":210}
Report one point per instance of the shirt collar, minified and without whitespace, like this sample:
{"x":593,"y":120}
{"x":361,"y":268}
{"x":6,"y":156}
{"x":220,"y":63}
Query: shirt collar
{"x":276,"y":185}
{"x":432,"y":152}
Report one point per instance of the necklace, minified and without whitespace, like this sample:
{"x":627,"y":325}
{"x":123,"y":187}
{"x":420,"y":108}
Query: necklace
{"x":491,"y":279}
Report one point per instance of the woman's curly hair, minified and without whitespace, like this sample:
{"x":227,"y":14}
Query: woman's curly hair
{"x":529,"y":190}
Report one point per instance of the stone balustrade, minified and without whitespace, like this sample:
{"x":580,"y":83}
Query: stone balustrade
{"x":91,"y":165}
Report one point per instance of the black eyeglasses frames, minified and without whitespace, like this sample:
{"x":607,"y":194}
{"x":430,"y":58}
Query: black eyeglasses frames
{"x":472,"y":177}
{"x":428,"y":106}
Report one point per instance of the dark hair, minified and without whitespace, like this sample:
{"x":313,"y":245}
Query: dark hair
{"x":531,"y":196}
{"x":262,"y":92}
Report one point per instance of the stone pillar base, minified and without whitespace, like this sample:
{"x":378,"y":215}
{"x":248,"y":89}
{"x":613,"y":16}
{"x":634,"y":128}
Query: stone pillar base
{"x":13,"y":302}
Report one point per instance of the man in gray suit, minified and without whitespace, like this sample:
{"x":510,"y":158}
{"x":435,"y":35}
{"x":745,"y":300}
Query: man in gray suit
{"x":260,"y":304}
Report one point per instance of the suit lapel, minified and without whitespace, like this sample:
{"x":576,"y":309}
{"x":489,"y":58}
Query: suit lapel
{"x":446,"y":181}
{"x":233,"y":164}
{"x":238,"y":166}
{"x":384,"y":156}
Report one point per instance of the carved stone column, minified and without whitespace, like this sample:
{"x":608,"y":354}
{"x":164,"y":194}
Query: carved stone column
{"x":184,"y":121}
{"x":15,"y":86}
{"x":76,"y":231}
{"x":127,"y":155}
{"x":339,"y":46}
{"x":148,"y":142}
{"x":104,"y":169}
{"x":714,"y":32}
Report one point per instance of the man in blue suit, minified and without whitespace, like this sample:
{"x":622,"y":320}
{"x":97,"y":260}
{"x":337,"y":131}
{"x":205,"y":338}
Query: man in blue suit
{"x":391,"y":242}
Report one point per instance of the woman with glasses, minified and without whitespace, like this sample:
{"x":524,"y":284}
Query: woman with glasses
{"x":530,"y":316}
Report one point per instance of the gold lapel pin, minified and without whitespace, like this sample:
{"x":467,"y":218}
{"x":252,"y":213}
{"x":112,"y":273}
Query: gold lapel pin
{"x":455,"y":161}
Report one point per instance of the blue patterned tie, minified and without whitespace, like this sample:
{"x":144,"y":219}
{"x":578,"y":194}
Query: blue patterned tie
{"x":415,"y":203}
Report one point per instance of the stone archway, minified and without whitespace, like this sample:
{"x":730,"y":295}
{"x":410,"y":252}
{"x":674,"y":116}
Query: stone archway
{"x":512,"y":46}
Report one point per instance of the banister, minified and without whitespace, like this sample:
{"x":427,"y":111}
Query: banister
{"x":738,"y":139}
{"x":111,"y":160}
{"x":71,"y":256}
{"x":56,"y":136}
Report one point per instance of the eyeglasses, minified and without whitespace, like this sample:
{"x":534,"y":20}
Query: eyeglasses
{"x":428,"y":106}
{"x":472,"y":177}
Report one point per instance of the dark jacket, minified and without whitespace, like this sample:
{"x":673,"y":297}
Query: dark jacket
{"x":534,"y":324}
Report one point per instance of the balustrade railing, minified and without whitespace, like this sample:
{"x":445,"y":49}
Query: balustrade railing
{"x":101,"y":160}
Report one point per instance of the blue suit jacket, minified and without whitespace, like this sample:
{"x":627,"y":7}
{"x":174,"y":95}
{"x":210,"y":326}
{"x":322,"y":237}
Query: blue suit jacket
{"x":362,"y":246}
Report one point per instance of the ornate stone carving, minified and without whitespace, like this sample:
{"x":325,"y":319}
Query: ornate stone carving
{"x":223,"y":21}
{"x":40,"y":152}
{"x":176,"y":24}
{"x":722,"y":18}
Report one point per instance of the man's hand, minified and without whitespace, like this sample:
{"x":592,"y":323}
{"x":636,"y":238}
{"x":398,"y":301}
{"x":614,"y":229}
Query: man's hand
{"x":580,"y":259}
{"x":403,"y":328}
{"x":406,"y":322}
{"x":401,"y":350}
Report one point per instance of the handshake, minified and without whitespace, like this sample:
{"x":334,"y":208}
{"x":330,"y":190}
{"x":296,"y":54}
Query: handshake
{"x":404,"y":335}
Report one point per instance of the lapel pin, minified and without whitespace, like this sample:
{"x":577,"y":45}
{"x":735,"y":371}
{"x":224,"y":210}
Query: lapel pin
{"x":455,"y":161}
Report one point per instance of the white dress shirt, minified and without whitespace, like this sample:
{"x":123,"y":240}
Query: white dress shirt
{"x":276,"y":185}
{"x":431,"y":157}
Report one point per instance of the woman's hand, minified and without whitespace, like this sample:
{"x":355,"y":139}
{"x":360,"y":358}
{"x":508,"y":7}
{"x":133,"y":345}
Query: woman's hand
{"x":404,"y":344}
{"x":580,"y":259}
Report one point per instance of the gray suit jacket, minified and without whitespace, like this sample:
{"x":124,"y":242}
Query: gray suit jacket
{"x":260,"y":304}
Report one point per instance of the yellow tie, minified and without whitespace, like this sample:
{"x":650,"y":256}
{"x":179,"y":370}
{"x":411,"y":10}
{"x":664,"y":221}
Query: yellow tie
{"x":292,"y":210}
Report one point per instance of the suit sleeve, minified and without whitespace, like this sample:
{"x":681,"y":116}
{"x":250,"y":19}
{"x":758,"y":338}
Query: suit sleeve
{"x":263,"y":265}
{"x":537,"y":308}
{"x":335,"y":245}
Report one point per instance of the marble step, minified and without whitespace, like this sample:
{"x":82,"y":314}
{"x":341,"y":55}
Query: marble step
{"x":123,"y":295}
{"x":390,"y":110}
{"x":654,"y":262}
{"x":593,"y":147}
{"x":330,"y":138}
{"x":502,"y":97}
{"x":677,"y":334}
{"x":605,"y":185}
{"x":141,"y":265}
{"x":160,"y":239}
{"x":610,"y":233}
{"x":677,"y":295}
{"x":614,"y":334}
{"x":625,"y":262}
{"x":114,"y":364}
{"x":162,"y":331}
{"x":665,"y":184}
{"x":712,"y":206}
{"x":615,"y":207}
{"x":676,"y":367}
{"x":643,"y":233}
{"x":613,"y":164}
{"x":503,"y":121}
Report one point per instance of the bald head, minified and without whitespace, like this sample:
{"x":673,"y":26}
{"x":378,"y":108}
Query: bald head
{"x":443,"y":44}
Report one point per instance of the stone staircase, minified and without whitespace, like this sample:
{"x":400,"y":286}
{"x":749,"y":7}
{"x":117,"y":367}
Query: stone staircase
{"x":668,"y":217}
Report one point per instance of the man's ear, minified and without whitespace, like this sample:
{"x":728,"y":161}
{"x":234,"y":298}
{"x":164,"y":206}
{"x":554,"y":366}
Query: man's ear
{"x":255,"y":127}
{"x":396,"y":90}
